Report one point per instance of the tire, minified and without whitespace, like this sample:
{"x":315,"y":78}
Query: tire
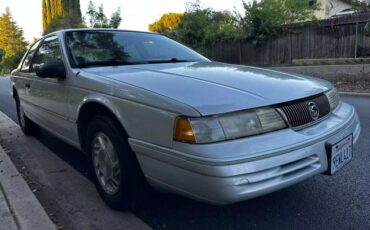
{"x":131,"y":183}
{"x":28,"y":127}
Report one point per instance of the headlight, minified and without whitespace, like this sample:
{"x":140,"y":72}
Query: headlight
{"x":228,"y":126}
{"x":333,"y":98}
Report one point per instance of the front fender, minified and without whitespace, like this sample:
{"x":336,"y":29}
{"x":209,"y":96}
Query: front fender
{"x":141,"y":122}
{"x":99,"y":99}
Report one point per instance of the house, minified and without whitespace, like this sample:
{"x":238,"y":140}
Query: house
{"x":330,"y":8}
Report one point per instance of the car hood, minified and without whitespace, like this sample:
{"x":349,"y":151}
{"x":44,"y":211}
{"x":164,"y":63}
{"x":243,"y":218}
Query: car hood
{"x":213,"y":88}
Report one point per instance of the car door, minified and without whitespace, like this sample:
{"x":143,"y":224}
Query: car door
{"x":22,"y":81}
{"x":48,"y":96}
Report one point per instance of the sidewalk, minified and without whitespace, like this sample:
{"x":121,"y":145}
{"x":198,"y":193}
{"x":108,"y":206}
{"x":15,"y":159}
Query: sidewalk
{"x":354,"y":94}
{"x":19,"y":208}
{"x":353,"y":78}
{"x":7,"y":220}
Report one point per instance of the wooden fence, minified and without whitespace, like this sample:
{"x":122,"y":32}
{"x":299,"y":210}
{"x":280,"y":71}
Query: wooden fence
{"x":341,"y":37}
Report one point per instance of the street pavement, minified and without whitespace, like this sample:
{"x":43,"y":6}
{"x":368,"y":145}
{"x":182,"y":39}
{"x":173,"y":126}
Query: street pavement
{"x":7,"y":104}
{"x":341,"y":201}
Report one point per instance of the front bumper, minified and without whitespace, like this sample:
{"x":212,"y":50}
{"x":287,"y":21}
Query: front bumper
{"x":232,"y":171}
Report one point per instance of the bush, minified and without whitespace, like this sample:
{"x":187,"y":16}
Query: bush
{"x":199,"y":28}
{"x":9,"y":64}
{"x":267,"y":19}
{"x":263,"y":20}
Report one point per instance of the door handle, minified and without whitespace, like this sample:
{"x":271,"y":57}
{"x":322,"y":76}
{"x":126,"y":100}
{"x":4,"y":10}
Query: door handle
{"x":28,"y":85}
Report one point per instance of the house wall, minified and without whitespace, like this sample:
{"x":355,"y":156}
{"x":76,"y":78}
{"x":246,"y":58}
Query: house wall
{"x":329,"y":8}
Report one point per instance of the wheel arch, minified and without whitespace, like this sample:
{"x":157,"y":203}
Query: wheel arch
{"x":91,"y":107}
{"x":14,"y":92}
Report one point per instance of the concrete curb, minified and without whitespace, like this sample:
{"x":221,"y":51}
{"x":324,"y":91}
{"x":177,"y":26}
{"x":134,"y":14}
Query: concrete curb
{"x":355,"y":94}
{"x":26,"y":210}
{"x":354,"y":71}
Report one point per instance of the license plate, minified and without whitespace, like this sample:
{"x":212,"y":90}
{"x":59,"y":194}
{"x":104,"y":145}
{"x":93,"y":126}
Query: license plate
{"x":340,"y":154}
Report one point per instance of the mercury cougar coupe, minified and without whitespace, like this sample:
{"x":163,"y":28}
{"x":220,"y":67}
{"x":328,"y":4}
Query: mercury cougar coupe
{"x":146,"y":109}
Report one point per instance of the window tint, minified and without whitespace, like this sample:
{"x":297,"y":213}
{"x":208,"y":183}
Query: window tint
{"x":27,"y":61}
{"x":49,"y":51}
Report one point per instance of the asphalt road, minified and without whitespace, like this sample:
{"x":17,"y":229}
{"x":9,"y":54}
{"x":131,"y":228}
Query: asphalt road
{"x":7,"y":104}
{"x":341,"y":201}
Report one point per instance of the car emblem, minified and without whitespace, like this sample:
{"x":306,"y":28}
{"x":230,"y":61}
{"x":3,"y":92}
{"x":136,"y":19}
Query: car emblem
{"x":314,"y":110}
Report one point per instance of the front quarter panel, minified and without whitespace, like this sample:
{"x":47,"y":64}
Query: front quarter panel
{"x":144,"y":115}
{"x":139,"y":121}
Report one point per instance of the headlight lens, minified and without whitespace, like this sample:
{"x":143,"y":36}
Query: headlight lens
{"x":228,"y":126}
{"x":333,"y":98}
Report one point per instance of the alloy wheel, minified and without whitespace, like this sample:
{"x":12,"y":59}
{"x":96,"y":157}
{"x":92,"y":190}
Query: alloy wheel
{"x":106,"y":163}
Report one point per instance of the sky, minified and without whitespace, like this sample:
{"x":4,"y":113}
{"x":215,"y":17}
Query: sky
{"x":136,"y":14}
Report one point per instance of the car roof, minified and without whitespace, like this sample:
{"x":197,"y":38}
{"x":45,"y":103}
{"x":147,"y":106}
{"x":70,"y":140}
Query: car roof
{"x":95,"y":29}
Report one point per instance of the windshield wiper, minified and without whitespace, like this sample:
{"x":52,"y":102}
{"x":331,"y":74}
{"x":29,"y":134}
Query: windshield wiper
{"x":107,"y":63}
{"x":114,"y":62}
{"x":172,"y":60}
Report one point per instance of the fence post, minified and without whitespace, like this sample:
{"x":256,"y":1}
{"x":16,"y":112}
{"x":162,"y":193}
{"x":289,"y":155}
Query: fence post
{"x":240,"y":52}
{"x":356,"y":39}
{"x":291,"y":47}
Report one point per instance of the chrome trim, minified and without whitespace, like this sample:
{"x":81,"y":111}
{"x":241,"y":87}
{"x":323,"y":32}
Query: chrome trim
{"x":333,"y":98}
{"x":281,"y":112}
{"x":311,"y":123}
{"x":298,"y":115}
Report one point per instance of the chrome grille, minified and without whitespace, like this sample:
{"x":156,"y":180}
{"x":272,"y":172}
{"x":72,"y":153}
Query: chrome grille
{"x":298,"y":114}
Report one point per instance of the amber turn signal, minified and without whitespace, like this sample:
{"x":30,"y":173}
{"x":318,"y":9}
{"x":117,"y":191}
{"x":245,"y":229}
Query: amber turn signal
{"x":183,"y":131}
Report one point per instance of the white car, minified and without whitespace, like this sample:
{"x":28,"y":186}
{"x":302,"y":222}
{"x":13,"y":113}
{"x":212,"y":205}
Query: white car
{"x":146,"y":108}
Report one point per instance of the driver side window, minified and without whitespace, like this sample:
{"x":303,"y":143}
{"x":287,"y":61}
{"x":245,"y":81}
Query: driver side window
{"x":48,"y":52}
{"x":27,"y":61}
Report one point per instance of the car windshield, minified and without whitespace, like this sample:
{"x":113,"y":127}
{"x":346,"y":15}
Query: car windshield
{"x":108,"y":48}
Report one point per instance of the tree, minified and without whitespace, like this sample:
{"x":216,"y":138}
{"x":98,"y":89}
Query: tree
{"x":60,"y":14}
{"x":72,"y":9}
{"x":97,"y":18}
{"x":1,"y":54}
{"x":167,"y":23}
{"x":62,"y":23}
{"x":263,"y":20}
{"x":44,"y":14}
{"x":224,"y":27}
{"x":201,"y":27}
{"x":115,"y":19}
{"x":267,"y":19}
{"x":11,"y":42}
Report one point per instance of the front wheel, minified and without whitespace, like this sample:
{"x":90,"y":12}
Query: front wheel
{"x":116,"y":171}
{"x":28,"y":127}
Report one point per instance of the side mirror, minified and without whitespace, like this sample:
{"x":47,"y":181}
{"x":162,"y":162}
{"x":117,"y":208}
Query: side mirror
{"x":51,"y":70}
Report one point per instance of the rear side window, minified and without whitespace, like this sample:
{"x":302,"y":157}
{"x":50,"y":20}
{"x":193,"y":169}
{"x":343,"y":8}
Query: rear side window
{"x":27,"y":61}
{"x":48,"y":52}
